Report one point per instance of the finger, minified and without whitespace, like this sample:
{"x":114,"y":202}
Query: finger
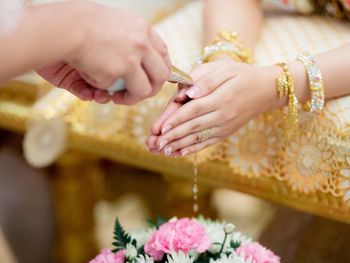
{"x":194,"y":125}
{"x":138,"y":87}
{"x":102,"y":96}
{"x":151,"y":142}
{"x":188,"y":111}
{"x":161,"y":48}
{"x":80,"y":88}
{"x":156,"y":70}
{"x":181,"y":96}
{"x":198,"y":73}
{"x":189,"y":140}
{"x":54,"y":73}
{"x":199,"y":146}
{"x":210,"y":82}
{"x":170,"y":109}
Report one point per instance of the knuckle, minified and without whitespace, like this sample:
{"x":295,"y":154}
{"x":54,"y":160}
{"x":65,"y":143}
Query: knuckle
{"x":196,"y":109}
{"x":131,"y":60}
{"x":223,"y":116}
{"x":145,"y":92}
{"x":195,"y":127}
{"x":207,"y":84}
{"x":163,"y":49}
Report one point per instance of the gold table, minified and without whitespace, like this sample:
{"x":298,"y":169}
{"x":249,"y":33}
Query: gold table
{"x":16,"y":98}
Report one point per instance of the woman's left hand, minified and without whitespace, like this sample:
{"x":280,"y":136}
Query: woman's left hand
{"x":226,"y":96}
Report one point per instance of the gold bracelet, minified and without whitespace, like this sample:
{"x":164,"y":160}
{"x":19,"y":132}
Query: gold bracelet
{"x":285,"y":87}
{"x":317,"y":101}
{"x":229,"y":44}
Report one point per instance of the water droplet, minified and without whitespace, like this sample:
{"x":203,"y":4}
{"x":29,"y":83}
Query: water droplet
{"x":195,"y":188}
{"x":195,"y":208}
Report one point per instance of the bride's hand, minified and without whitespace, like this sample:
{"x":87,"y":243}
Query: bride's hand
{"x":226,"y":96}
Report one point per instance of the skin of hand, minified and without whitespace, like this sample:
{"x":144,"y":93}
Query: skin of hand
{"x":113,"y":44}
{"x":226,"y":96}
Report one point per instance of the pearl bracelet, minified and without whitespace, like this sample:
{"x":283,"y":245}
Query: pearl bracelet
{"x":226,"y":43}
{"x":317,"y":101}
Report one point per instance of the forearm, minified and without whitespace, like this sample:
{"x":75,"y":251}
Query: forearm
{"x":44,"y":35}
{"x":242,"y":16}
{"x":334,"y":65}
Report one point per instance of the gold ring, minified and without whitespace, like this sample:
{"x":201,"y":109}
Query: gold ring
{"x":205,"y":134}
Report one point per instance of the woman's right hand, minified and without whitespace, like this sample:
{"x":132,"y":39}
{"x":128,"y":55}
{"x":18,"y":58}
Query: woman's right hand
{"x":112,"y":44}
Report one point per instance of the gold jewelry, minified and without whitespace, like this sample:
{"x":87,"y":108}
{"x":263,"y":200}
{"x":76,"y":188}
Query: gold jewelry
{"x":317,"y":101}
{"x":226,"y":43}
{"x":285,"y":87}
{"x":205,"y":135}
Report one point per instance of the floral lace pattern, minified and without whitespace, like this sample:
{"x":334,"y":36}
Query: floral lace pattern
{"x":334,"y":8}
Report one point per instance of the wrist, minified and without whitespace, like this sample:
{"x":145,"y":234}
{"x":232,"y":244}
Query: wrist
{"x":77,"y":33}
{"x":268,"y":76}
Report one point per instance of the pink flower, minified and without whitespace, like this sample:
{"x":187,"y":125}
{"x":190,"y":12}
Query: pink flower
{"x":107,"y":256}
{"x":257,"y":253}
{"x":181,"y":235}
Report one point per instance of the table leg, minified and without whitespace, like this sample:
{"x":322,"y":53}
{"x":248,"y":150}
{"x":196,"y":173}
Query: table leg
{"x":76,"y":182}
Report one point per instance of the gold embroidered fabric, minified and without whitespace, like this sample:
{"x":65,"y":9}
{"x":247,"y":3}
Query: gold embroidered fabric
{"x":316,"y":162}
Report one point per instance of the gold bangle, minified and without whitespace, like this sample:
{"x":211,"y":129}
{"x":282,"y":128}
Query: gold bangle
{"x":229,"y":44}
{"x":246,"y":54}
{"x":317,"y":101}
{"x":230,"y":54}
{"x":285,"y":87}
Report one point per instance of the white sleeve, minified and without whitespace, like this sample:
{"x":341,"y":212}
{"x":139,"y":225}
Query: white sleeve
{"x":9,"y":13}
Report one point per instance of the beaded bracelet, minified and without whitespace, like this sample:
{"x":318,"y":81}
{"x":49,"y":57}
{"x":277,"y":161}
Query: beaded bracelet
{"x":317,"y":101}
{"x":226,"y":43}
{"x":285,"y":87}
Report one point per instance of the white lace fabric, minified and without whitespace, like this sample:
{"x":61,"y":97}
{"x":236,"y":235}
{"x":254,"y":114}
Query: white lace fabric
{"x":9,"y":13}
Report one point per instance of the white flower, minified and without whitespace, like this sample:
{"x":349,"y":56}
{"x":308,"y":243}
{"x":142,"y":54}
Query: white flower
{"x":130,"y":251}
{"x":141,"y":236}
{"x":179,"y":258}
{"x":216,"y":233}
{"x":243,"y":239}
{"x":229,"y":228}
{"x":232,"y":258}
{"x":144,"y":259}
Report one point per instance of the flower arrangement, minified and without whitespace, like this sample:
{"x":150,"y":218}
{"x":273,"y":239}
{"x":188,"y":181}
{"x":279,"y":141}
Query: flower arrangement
{"x":185,"y":240}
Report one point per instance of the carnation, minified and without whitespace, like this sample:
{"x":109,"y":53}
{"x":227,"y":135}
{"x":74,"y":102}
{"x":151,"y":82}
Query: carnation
{"x":107,"y":256}
{"x":183,"y":235}
{"x":258,"y":253}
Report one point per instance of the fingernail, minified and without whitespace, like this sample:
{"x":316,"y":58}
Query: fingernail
{"x":181,"y":93}
{"x":193,"y":92}
{"x":166,"y":129}
{"x":168,"y":151}
{"x":162,"y":144}
{"x":185,"y":152}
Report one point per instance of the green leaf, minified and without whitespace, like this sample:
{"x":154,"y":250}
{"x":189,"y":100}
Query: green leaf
{"x":205,"y":257}
{"x":235,"y":244}
{"x":158,"y":222}
{"x":121,"y":237}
